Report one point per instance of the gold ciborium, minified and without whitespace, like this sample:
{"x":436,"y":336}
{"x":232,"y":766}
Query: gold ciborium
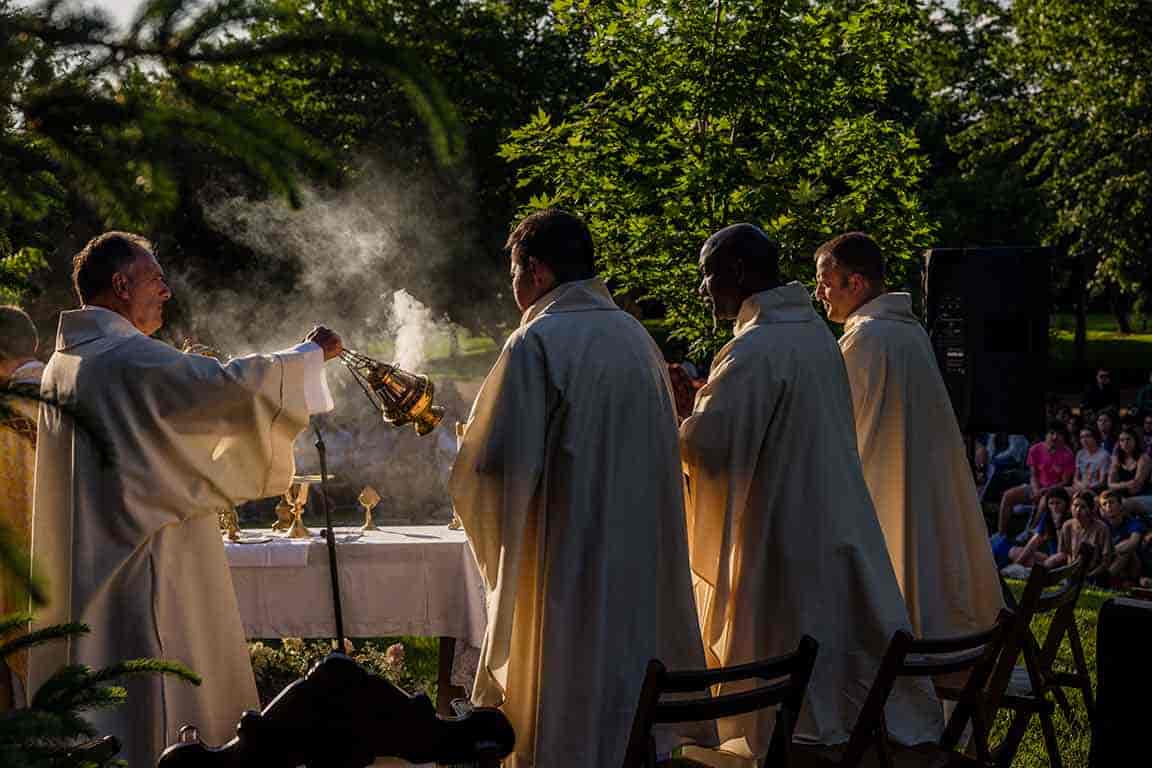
{"x":368,"y":499}
{"x":297,"y":497}
{"x":403,"y":397}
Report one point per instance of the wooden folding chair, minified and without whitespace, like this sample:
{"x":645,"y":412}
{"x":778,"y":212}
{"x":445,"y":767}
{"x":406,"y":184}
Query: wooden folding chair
{"x":786,"y":681}
{"x":1036,"y":686}
{"x":972,"y":656}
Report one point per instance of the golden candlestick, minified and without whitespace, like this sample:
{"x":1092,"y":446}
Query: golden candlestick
{"x":230,"y":523}
{"x":368,"y":499}
{"x":297,"y":496}
{"x":283,"y":515}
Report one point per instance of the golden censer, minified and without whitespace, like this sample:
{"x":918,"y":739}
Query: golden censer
{"x":403,"y":397}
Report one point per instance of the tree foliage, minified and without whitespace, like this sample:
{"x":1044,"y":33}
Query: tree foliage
{"x":1066,"y":105}
{"x":129,"y":124}
{"x":769,"y":112}
{"x":498,"y":62}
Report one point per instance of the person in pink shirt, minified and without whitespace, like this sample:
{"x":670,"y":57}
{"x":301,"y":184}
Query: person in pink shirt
{"x":1051,"y":464}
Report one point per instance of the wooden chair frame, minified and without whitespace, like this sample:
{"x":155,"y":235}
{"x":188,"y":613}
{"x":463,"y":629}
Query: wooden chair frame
{"x":974,"y":654}
{"x":1048,"y":591}
{"x":786,"y":682}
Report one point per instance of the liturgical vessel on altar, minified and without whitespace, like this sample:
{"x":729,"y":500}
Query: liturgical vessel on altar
{"x":403,"y":397}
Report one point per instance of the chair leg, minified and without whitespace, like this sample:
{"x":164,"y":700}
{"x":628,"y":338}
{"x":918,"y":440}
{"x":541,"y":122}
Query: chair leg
{"x":1062,"y":701}
{"x":1005,"y":751}
{"x":1049,"y":729}
{"x":1082,"y":670}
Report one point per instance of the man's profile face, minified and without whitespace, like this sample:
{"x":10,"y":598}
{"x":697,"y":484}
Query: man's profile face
{"x":720,"y":282}
{"x":1104,"y":424}
{"x":1054,"y":438}
{"x":839,"y":291}
{"x":1102,"y":378}
{"x":145,"y":290}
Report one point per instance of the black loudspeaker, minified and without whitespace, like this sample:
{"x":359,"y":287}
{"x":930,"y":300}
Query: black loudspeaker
{"x":1123,"y":680}
{"x":986,"y":310}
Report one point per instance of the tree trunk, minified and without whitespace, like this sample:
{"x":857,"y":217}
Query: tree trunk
{"x":1080,"y":340}
{"x":1120,"y":310}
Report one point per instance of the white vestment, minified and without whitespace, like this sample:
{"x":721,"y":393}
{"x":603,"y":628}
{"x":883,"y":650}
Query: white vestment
{"x":131,"y":472}
{"x":916,"y":470}
{"x":782,"y":534}
{"x":568,"y":485}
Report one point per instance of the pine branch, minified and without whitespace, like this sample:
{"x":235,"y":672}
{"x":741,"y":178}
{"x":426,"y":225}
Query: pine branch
{"x":14,"y":621}
{"x":14,"y":559}
{"x":45,"y":635}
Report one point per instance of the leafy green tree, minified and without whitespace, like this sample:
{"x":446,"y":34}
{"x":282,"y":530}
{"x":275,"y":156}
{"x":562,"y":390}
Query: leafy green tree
{"x":1067,"y":107}
{"x":498,"y":62}
{"x":713,"y":113}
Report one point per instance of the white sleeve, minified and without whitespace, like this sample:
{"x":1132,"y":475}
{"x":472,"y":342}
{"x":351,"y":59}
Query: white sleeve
{"x":317,"y":397}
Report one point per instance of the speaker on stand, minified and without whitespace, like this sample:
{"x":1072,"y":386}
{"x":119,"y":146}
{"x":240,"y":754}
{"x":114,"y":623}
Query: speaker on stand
{"x":986,"y":311}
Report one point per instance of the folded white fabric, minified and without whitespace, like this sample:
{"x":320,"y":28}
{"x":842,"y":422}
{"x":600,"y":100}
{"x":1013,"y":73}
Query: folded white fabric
{"x":277,"y":553}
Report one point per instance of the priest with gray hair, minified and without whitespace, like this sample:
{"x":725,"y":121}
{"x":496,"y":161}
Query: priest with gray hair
{"x":141,"y":449}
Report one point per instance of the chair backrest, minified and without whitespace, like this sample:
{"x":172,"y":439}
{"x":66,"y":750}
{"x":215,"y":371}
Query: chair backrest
{"x":973,"y":655}
{"x":784,"y":683}
{"x":1048,"y":591}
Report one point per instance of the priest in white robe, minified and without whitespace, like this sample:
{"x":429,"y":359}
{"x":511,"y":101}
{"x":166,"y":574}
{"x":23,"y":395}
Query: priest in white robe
{"x":20,"y":374}
{"x":783,"y":537}
{"x":568,"y":486}
{"x":147,"y":446}
{"x":910,"y":446}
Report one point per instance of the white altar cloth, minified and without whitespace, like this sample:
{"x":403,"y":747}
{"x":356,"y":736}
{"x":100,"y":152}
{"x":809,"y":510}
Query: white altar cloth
{"x":401,"y":580}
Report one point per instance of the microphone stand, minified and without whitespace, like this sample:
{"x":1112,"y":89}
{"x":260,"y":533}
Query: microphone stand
{"x":321,"y":449}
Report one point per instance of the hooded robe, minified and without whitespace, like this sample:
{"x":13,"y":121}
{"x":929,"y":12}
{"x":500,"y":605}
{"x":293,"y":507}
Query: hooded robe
{"x":782,"y":534}
{"x":148,"y":445}
{"x":917,"y":472}
{"x":568,"y":486}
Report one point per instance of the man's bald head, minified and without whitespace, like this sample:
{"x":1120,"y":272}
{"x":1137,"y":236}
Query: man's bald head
{"x":737,"y":262}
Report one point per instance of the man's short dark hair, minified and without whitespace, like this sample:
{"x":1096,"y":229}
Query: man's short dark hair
{"x":558,"y":239}
{"x":857,"y":253}
{"x":759,"y":253}
{"x":1059,"y":427}
{"x":102,"y":257}
{"x":18,"y":337}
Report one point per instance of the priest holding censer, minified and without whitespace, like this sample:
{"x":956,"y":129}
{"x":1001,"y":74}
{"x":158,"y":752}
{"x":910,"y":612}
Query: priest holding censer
{"x":126,"y":502}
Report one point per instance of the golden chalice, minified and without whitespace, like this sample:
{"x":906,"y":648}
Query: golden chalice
{"x":368,"y":499}
{"x":297,"y":497}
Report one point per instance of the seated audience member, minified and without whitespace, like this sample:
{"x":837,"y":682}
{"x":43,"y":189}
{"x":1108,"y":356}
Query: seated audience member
{"x":1092,"y":463}
{"x":1144,"y":398}
{"x":1004,"y":463}
{"x":1130,"y":472}
{"x":1101,"y":394}
{"x":1106,"y":426}
{"x":1039,"y":538}
{"x":1127,"y":538}
{"x":1085,"y":526}
{"x":1051,"y":463}
{"x":1074,"y":424}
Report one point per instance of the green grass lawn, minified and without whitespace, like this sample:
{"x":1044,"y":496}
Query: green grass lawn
{"x":1106,"y":345}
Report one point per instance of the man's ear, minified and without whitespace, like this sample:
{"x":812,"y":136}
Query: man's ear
{"x":120,"y":285}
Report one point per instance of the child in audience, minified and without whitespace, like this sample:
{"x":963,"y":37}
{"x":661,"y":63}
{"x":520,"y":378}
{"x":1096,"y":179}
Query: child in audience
{"x":1106,"y":426}
{"x":1127,"y":536}
{"x":1084,"y":527}
{"x":1092,"y":462}
{"x":1042,"y":533}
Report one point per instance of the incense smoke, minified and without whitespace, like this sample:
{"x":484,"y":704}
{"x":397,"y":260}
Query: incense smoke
{"x":354,"y":258}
